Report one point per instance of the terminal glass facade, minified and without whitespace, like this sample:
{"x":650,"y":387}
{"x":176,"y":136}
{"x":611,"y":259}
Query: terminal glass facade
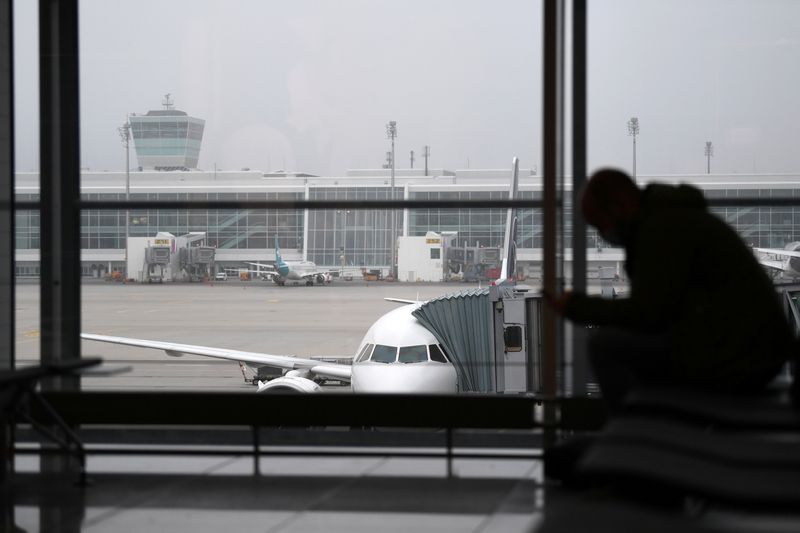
{"x":478,"y":227}
{"x":225,"y":229}
{"x":360,"y":237}
{"x":352,"y":237}
{"x":766,"y":227}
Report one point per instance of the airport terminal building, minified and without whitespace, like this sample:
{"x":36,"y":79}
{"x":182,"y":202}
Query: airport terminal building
{"x":357,"y":238}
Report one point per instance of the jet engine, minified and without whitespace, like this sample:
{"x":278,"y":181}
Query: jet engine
{"x":291,"y":382}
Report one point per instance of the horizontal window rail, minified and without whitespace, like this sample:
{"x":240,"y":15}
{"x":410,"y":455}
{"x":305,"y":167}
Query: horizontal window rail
{"x":295,"y":204}
{"x":366,"y":204}
{"x":263,"y":450}
{"x":442,"y":412}
{"x":464,"y":411}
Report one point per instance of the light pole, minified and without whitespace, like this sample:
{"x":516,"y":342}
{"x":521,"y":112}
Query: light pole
{"x":391,"y":134}
{"x":125,"y":135}
{"x":709,"y":154}
{"x":343,"y":247}
{"x":633,"y":131}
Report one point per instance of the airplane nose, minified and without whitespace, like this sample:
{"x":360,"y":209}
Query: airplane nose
{"x":403,"y":378}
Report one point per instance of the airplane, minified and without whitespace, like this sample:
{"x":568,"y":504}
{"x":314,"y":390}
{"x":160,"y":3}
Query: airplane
{"x":785,"y":261}
{"x":296,"y":271}
{"x":397,"y":354}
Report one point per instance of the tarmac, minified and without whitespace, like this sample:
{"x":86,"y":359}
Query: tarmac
{"x":254,"y":316}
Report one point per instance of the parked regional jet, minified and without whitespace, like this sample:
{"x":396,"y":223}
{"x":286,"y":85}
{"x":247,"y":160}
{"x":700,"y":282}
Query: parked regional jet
{"x":785,"y":261}
{"x":296,"y":271}
{"x":397,"y":354}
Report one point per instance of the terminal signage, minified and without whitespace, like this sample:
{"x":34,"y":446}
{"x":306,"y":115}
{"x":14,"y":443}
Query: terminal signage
{"x":162,"y":242}
{"x":433,"y":241}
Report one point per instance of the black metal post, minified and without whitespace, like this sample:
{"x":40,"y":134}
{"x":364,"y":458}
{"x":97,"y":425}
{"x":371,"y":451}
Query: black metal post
{"x":553,"y":132}
{"x":6,"y":249}
{"x":60,"y":186}
{"x":580,"y":373}
{"x":256,"y":450}
{"x":60,"y":197}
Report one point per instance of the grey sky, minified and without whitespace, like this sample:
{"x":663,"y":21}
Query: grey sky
{"x":309,"y":85}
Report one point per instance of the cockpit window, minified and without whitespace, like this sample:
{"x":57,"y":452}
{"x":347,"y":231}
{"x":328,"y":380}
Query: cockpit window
{"x":384,"y":354}
{"x":363,"y":355}
{"x":437,"y":354}
{"x":413,"y":354}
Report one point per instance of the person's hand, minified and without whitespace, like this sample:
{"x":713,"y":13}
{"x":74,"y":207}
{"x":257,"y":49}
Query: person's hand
{"x":557,"y":303}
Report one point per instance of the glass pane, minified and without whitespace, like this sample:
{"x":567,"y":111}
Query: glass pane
{"x":413,"y":354}
{"x":313,"y":96}
{"x":303,"y":111}
{"x":26,"y":94}
{"x":26,"y":181}
{"x":384,"y":354}
{"x":436,"y":354}
{"x":212,"y":285}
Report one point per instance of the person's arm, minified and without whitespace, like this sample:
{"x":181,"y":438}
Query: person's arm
{"x":665,"y":251}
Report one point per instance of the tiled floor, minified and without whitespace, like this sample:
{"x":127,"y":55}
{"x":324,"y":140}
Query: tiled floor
{"x":353,"y":495}
{"x":165,"y":494}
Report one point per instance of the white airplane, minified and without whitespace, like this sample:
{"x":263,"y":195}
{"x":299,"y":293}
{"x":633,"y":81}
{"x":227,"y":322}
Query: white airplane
{"x":397,"y":354}
{"x":296,"y":271}
{"x":784,"y":261}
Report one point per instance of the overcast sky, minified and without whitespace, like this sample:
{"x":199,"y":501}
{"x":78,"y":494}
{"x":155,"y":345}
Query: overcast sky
{"x":310,"y":84}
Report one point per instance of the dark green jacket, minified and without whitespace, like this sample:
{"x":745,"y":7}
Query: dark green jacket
{"x":695,"y":282}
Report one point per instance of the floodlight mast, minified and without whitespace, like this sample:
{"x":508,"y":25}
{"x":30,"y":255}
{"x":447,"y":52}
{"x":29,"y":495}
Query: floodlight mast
{"x":125,"y":136}
{"x":633,"y":131}
{"x":709,"y":154}
{"x":391,"y":134}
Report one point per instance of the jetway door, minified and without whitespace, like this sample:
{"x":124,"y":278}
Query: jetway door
{"x":512,"y":375}
{"x":517,"y":341}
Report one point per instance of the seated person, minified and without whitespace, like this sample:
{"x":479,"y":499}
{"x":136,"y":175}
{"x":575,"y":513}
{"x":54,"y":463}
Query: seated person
{"x":702,"y":312}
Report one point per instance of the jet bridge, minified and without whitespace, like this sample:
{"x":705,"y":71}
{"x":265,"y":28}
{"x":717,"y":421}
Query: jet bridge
{"x":157,"y":258}
{"x":491,"y":335}
{"x":196,"y":260}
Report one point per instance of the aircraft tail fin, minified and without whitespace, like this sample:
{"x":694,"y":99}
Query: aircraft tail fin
{"x":278,"y":259}
{"x":509,"y":265}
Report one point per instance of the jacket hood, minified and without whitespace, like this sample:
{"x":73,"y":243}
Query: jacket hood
{"x":660,"y":196}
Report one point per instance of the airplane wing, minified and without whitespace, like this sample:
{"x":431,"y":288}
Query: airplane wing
{"x":261,"y":265}
{"x":777,"y":251}
{"x":288,"y":362}
{"x":777,"y":265}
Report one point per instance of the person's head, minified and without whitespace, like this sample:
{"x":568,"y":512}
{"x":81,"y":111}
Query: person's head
{"x":610,"y":202}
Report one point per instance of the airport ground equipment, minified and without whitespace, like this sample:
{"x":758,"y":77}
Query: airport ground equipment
{"x":157,"y":258}
{"x":196,"y":260}
{"x":473,"y":263}
{"x":169,"y":258}
{"x":423,"y":258}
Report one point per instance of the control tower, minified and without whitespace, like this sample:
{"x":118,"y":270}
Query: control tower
{"x":167,"y":139}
